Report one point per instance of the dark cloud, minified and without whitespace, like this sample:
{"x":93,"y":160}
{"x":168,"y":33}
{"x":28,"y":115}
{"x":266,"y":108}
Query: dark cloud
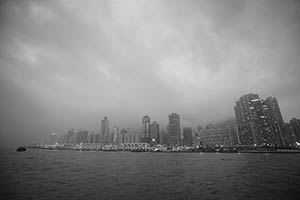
{"x":69,"y":63}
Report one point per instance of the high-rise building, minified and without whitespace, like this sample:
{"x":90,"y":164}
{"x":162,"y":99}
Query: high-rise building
{"x":91,"y":138}
{"x":115,"y":135}
{"x":52,"y":139}
{"x":104,"y":131}
{"x":197,"y":139}
{"x":187,"y":136}
{"x":295,"y":126}
{"x":70,"y":135}
{"x":73,"y":138}
{"x":261,"y":125}
{"x":174,"y":130}
{"x":82,"y":137}
{"x":292,"y":133}
{"x":146,"y":129}
{"x":120,"y":139}
{"x":213,"y":137}
{"x":132,"y":136}
{"x":97,"y":138}
{"x":65,"y":139}
{"x":243,"y":118}
{"x":276,"y":120}
{"x":123,"y":134}
{"x":164,"y":138}
{"x":154,"y":132}
{"x":254,"y":122}
{"x":234,"y":134}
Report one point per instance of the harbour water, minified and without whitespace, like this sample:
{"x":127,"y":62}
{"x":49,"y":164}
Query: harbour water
{"x":50,"y":174}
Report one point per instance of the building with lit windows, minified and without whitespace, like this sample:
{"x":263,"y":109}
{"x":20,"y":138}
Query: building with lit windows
{"x":154,"y":132}
{"x":104,"y":131}
{"x":258,"y":121}
{"x":146,"y":129}
{"x":174,"y":130}
{"x":187,"y":136}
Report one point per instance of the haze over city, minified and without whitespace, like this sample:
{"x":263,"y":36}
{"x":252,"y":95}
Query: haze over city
{"x":70,"y":63}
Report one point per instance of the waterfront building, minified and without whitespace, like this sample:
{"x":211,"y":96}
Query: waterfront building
{"x":120,"y":139}
{"x":154,"y":133}
{"x":65,"y":138}
{"x":289,"y":136}
{"x":244,"y":120}
{"x":91,"y":138}
{"x":115,"y":135}
{"x":85,"y":137}
{"x":70,"y":135}
{"x":123,"y":134}
{"x":292,"y":133}
{"x":146,"y":129}
{"x":234,"y":134}
{"x":131,"y":136}
{"x":187,"y":136}
{"x":61,"y":139}
{"x":295,"y":126}
{"x":73,"y":138}
{"x":254,"y":121}
{"x":97,"y":138}
{"x":215,"y":137}
{"x":197,"y":139}
{"x":104,"y":131}
{"x":174,"y":130}
{"x":82,"y":137}
{"x":232,"y":125}
{"x":164,"y":138}
{"x":261,"y":124}
{"x":276,"y":120}
{"x":78,"y":137}
{"x":52,"y":139}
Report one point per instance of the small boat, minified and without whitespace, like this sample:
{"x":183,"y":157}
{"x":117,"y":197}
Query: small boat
{"x":21,"y":149}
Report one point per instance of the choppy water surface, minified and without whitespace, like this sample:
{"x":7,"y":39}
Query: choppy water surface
{"x":42,"y":174}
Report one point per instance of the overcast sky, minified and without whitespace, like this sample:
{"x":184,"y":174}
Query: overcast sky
{"x":70,"y":63}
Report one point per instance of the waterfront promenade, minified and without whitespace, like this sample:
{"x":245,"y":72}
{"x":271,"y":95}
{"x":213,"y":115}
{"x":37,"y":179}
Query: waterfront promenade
{"x":145,"y":147}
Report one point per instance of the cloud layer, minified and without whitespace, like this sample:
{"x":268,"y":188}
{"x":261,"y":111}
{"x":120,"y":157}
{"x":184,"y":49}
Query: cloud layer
{"x":69,"y":63}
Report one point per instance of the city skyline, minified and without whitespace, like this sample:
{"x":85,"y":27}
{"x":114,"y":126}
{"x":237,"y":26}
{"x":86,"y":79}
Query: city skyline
{"x":258,"y":123}
{"x":144,"y":133}
{"x":71,"y":63}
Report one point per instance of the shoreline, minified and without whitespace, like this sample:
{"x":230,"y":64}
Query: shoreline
{"x":287,"y":151}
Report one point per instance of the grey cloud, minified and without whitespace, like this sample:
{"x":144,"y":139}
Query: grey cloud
{"x":69,"y":63}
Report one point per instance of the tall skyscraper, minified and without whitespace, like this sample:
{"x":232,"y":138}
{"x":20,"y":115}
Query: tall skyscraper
{"x":115,"y":135}
{"x":174,"y":130}
{"x":244,"y":119}
{"x":52,"y":139}
{"x":164,"y":137}
{"x":123,"y":134}
{"x":254,"y":122}
{"x":104,"y":131}
{"x":146,"y":129}
{"x":69,"y":135}
{"x":154,"y":132}
{"x":295,"y":126}
{"x":261,"y":123}
{"x":187,"y":136}
{"x":276,"y":120}
{"x":84,"y":136}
